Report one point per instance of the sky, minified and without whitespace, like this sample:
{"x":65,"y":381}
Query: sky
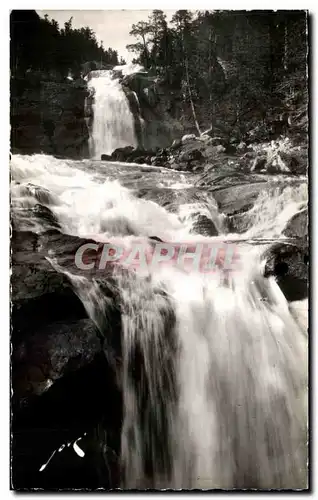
{"x":111,"y":26}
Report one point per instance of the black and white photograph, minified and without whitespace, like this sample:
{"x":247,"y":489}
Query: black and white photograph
{"x":159,"y":250}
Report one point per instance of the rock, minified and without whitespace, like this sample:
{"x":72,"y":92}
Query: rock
{"x":189,"y":156}
{"x":39,"y":293}
{"x":297,"y":227}
{"x":122,"y":154}
{"x":239,"y":198}
{"x":48,"y":116}
{"x":296,"y":160}
{"x":258,"y":163}
{"x":289,"y":264}
{"x":105,"y":157}
{"x":76,"y":406}
{"x":160,"y":161}
{"x":204,"y":225}
{"x":60,"y":371}
{"x":50,"y":352}
{"x":276,"y":166}
{"x":188,"y":138}
{"x":176,"y":166}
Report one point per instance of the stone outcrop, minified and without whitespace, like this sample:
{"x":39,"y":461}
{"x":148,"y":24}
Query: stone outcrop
{"x":48,"y":117}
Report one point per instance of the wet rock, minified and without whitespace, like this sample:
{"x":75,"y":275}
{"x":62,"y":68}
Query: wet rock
{"x":204,"y":225}
{"x":135,"y":155}
{"x":60,"y":372}
{"x":105,"y":157}
{"x":122,"y":154}
{"x":297,"y":227}
{"x":44,"y":196}
{"x":46,"y":215}
{"x":238,"y":199}
{"x":289,"y":264}
{"x":39,"y":293}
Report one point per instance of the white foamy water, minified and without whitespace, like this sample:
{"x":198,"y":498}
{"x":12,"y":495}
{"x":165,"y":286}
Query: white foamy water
{"x":214,"y":372}
{"x":113,"y":123}
{"x":274,"y":209}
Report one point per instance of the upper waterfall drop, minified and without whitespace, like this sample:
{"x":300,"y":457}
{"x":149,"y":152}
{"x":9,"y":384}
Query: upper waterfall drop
{"x":113,"y":123}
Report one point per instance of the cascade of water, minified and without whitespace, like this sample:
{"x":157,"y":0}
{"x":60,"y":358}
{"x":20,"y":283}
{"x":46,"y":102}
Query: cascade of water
{"x":214,"y":368}
{"x":113,"y":123}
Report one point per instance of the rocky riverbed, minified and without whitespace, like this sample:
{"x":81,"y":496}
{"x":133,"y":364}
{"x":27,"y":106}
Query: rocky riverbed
{"x":207,"y":153}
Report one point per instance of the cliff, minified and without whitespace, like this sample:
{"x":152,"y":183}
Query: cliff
{"x":47,"y":116}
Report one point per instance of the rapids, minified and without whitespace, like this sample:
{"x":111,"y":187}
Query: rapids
{"x":214,"y":369}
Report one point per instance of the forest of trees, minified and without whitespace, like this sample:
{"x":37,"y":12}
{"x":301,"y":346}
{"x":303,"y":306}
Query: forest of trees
{"x":246,"y":70}
{"x":256,"y":61}
{"x":41,"y":45}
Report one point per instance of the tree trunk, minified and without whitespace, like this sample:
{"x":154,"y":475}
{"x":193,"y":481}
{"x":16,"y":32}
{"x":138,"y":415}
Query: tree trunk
{"x":190,"y":96}
{"x":146,"y":49}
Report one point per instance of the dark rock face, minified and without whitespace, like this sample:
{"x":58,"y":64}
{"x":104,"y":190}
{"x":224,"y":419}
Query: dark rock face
{"x":48,"y":117}
{"x":106,"y":157}
{"x":53,"y":350}
{"x":205,"y":226}
{"x":289,"y":264}
{"x":62,"y":379}
{"x":154,"y":107}
{"x":76,"y":406}
{"x":297,"y":227}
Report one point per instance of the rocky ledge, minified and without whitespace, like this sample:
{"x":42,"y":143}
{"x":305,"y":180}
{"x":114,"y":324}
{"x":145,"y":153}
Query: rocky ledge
{"x":199,"y":154}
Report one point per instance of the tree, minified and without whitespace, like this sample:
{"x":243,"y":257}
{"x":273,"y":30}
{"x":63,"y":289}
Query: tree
{"x":141,"y":30}
{"x":185,"y":41}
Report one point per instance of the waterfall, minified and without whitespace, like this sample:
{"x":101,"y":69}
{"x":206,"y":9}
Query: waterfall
{"x":113,"y":123}
{"x":213,"y":369}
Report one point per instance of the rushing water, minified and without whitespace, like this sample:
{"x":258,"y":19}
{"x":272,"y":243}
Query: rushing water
{"x":213,"y":369}
{"x":113,"y":123}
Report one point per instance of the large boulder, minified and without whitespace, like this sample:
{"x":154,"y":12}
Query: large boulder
{"x":297,"y":227}
{"x":238,"y":198}
{"x":122,"y":154}
{"x":289,"y":264}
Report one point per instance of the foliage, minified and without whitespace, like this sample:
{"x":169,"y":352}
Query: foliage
{"x":241,"y":69}
{"x":41,"y":45}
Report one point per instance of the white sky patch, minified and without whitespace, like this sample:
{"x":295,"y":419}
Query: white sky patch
{"x":111,"y":26}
